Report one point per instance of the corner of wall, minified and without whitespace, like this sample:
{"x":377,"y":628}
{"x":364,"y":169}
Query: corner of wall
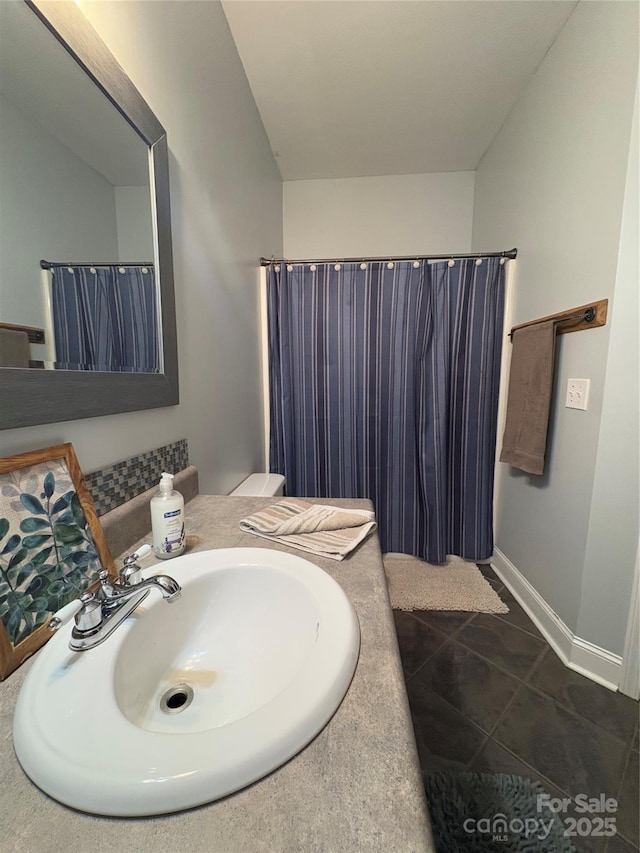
{"x":556,"y":191}
{"x":613,"y":533}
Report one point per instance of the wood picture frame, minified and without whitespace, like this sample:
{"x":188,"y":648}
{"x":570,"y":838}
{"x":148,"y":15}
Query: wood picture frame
{"x":52,"y":546}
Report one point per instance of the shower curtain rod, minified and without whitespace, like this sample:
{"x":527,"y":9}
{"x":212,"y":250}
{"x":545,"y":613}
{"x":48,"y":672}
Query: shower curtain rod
{"x":511,"y":253}
{"x":49,"y":265}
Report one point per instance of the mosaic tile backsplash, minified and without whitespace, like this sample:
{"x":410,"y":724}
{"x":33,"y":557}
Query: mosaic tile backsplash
{"x":111,"y":487}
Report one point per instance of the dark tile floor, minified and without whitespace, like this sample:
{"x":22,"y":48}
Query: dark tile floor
{"x":487,"y":693}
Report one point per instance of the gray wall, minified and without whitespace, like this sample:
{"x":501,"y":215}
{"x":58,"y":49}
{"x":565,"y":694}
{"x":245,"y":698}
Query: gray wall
{"x":61,"y":209}
{"x":389,"y":214}
{"x":552,"y":183}
{"x":612,"y":540}
{"x":226,"y":201}
{"x":135,"y":224}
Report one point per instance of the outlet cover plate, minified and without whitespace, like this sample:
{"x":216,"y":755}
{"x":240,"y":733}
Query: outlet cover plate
{"x":577,"y":393}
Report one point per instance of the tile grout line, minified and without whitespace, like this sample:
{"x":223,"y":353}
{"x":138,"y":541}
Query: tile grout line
{"x":456,"y":711}
{"x":501,"y":616}
{"x":502,"y":669}
{"x":472,"y":615}
{"x":499,"y":719}
{"x":625,"y":767}
{"x":578,"y":716}
{"x":536,"y":774}
{"x":521,"y":685}
{"x":526,"y":680}
{"x":448,"y":637}
{"x":427,"y":659}
{"x":537,"y":636}
{"x":521,"y":679}
{"x":521,"y":682}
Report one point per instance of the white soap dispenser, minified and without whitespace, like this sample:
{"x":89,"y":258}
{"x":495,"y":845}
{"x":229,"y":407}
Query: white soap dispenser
{"x":167,"y":520}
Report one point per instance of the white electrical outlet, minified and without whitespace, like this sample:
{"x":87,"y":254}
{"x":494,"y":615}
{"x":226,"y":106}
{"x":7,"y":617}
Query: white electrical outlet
{"x":577,"y":393}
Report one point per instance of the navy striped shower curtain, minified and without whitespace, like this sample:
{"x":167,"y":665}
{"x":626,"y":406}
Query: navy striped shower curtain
{"x":384,"y":385}
{"x":105,"y":318}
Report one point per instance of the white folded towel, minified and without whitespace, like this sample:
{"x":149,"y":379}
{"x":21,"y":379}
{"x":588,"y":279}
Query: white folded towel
{"x":327,"y":531}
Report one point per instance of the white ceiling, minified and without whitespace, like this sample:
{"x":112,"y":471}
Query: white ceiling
{"x":349,"y":88}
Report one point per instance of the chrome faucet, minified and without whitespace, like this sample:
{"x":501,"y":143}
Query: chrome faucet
{"x":97,"y":614}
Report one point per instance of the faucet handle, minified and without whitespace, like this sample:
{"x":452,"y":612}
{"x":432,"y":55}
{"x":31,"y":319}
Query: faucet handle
{"x":87,"y":611}
{"x":62,"y":616}
{"x":142,"y":551}
{"x":131,"y":573}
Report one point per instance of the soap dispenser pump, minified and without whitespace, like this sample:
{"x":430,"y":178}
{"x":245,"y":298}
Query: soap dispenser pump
{"x":167,"y":520}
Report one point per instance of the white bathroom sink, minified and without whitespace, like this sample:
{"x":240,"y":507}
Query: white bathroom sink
{"x":189,"y":701}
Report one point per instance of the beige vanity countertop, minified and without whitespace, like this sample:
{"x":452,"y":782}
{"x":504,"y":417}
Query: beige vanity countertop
{"x":356,"y":788}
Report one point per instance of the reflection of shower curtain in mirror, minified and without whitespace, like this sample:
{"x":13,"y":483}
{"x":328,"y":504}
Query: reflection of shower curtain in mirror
{"x":384,"y":385}
{"x":105,"y":318}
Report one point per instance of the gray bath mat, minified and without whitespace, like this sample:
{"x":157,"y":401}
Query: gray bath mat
{"x":482,"y":812}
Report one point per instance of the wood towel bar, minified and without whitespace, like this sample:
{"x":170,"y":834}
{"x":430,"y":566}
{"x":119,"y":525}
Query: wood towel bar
{"x":587,"y":316}
{"x":35,"y":335}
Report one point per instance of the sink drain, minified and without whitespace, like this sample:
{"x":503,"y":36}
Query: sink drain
{"x":176,"y":699}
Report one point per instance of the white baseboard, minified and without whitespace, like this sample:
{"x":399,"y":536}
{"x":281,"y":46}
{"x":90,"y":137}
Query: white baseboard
{"x":630,"y":676}
{"x":578,"y":654}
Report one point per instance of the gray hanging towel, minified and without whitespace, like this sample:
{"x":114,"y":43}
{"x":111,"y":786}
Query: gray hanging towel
{"x":529,"y":399}
{"x":14,"y":348}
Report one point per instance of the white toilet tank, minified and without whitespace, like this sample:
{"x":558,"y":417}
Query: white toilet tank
{"x":264,"y":485}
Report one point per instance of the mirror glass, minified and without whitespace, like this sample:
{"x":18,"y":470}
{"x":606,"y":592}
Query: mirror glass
{"x":85,"y":227}
{"x":76,"y":223}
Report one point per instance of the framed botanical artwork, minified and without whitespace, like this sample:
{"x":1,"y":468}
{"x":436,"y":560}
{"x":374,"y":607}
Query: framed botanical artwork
{"x":52,"y":546}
